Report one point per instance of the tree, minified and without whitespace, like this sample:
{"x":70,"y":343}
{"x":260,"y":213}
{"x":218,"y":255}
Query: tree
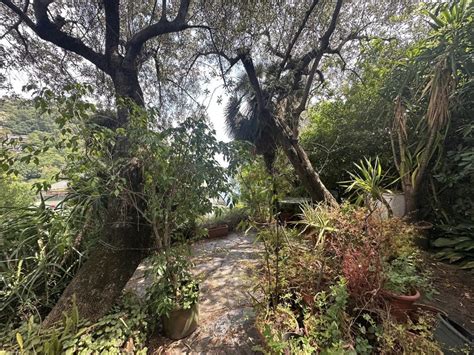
{"x":111,"y":37}
{"x":290,"y":48}
{"x":427,"y":85}
{"x":114,"y":43}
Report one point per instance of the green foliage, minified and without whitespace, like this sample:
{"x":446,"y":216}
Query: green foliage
{"x":41,"y":252}
{"x":403,"y":277}
{"x":368,"y":184}
{"x":326,"y":330}
{"x":316,"y":220}
{"x":345,"y":128}
{"x":19,"y":117}
{"x":327,"y":300}
{"x":258,"y":189}
{"x":328,"y":327}
{"x":14,"y":193}
{"x":456,"y":244}
{"x":187,"y":153}
{"x":452,"y":201}
{"x":173,"y":287}
{"x":124,"y":329}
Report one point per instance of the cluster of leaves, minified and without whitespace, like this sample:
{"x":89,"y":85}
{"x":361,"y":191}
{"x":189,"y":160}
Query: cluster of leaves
{"x":322,"y":286}
{"x":454,"y":206}
{"x":325,"y":325}
{"x":21,"y":120}
{"x":123,"y":329}
{"x":19,"y":117}
{"x":193,"y":177}
{"x":368,"y":184}
{"x":402,"y":276}
{"x":436,"y":86}
{"x":14,"y":193}
{"x":345,"y":128}
{"x":173,"y":285}
{"x":41,"y":251}
{"x":362,"y":268}
{"x":258,"y":189}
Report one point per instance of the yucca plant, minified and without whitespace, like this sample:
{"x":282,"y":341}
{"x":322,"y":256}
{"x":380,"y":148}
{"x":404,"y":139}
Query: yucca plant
{"x":369,"y":184}
{"x":424,"y":100}
{"x":317,"y":221}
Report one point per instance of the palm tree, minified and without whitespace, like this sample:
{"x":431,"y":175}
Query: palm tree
{"x":244,"y":124}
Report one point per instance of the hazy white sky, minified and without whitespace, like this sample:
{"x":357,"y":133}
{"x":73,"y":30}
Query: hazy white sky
{"x":216,"y":110}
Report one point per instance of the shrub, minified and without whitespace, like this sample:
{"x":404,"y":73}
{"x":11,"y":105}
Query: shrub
{"x":362,"y":268}
{"x":41,"y":253}
{"x":124,"y":329}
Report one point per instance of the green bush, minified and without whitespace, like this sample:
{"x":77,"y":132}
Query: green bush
{"x":124,"y":329}
{"x":41,"y":252}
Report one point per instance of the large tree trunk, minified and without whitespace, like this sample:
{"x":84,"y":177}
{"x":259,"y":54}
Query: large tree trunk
{"x":300,"y":161}
{"x":103,"y":276}
{"x":125,"y":240}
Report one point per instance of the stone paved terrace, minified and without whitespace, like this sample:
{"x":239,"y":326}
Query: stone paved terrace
{"x":223,"y":267}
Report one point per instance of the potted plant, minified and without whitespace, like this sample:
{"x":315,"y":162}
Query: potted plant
{"x":174,"y":294}
{"x":402,"y":285}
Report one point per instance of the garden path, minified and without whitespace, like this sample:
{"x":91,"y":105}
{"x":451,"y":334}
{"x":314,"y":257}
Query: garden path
{"x":224,"y":268}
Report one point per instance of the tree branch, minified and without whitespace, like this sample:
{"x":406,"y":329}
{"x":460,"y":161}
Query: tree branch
{"x":253,"y":79}
{"x":163,"y":26}
{"x":51,"y":32}
{"x":17,"y":23}
{"x":297,"y":34}
{"x":318,"y":52}
{"x":112,"y":27}
{"x":21,"y":14}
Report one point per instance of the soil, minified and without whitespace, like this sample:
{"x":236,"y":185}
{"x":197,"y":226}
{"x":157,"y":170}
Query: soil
{"x":455,"y":291}
{"x":226,"y":324}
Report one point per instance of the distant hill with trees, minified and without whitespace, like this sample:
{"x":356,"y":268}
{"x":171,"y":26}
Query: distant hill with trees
{"x":19,"y":117}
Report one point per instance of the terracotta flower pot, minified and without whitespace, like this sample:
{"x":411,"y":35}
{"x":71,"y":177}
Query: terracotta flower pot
{"x":308,"y":299}
{"x":181,"y":322}
{"x":401,"y":305}
{"x":219,"y":231}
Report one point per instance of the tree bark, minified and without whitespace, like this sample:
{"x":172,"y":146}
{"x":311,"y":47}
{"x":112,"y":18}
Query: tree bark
{"x":300,"y":161}
{"x":284,"y":135}
{"x":125,"y":240}
{"x":101,"y":279}
{"x":411,"y":201}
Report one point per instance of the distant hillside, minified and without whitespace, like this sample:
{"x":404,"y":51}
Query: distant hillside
{"x":19,"y":117}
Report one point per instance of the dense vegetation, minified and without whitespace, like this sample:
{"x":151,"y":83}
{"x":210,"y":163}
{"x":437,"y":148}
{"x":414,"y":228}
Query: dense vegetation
{"x":324,"y":104}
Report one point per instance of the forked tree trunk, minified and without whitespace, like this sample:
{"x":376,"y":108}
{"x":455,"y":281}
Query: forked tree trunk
{"x":124,"y":241}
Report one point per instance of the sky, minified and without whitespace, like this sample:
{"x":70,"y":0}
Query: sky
{"x":215,"y":110}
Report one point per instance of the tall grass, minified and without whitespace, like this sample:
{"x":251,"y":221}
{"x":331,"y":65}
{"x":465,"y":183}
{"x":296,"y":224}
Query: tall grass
{"x":40,"y":253}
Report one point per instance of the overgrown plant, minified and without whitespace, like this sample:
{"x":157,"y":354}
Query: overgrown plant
{"x":316,"y":222}
{"x":123,"y":330}
{"x":173,"y":285}
{"x":369,"y":184}
{"x":42,"y":250}
{"x":423,"y":102}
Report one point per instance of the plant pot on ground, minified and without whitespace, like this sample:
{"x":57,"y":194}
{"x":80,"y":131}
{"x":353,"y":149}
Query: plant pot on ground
{"x":402,"y":286}
{"x":180,"y":322}
{"x":174,"y":294}
{"x":218,"y":231}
